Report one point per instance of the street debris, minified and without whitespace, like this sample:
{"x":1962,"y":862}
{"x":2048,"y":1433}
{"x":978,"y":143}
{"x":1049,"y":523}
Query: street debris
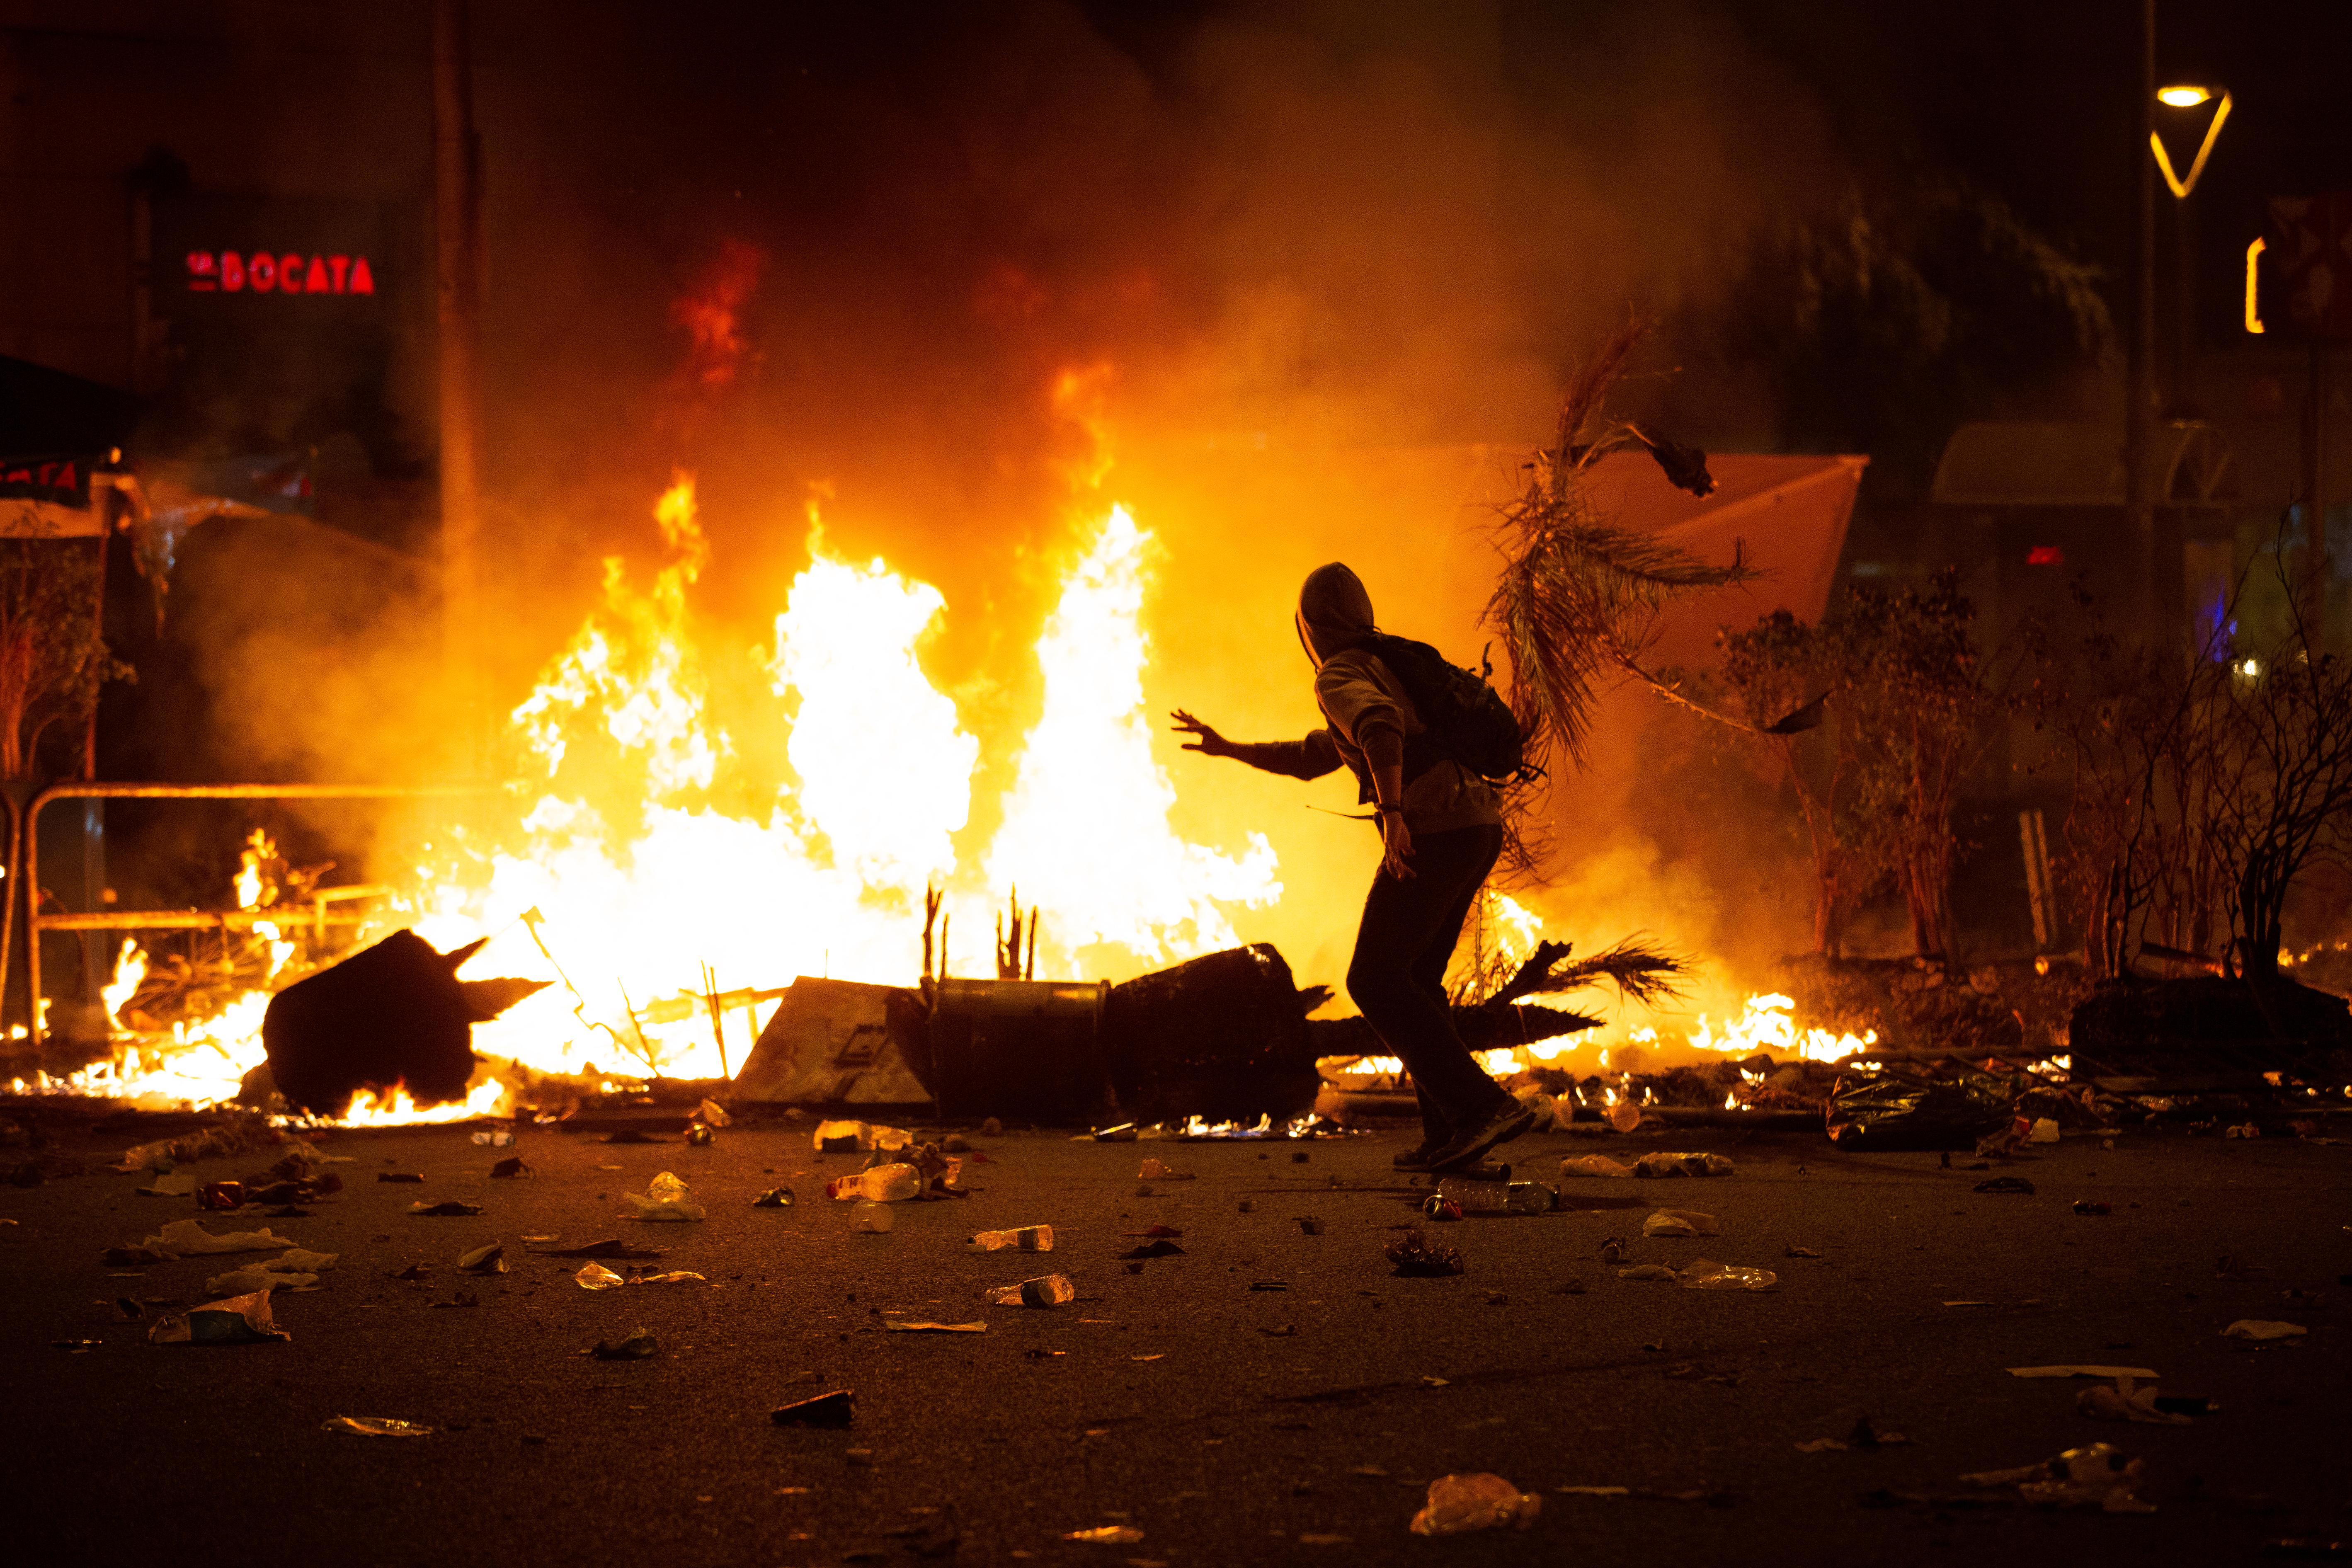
{"x":459,"y":1299}
{"x":900,"y":1326}
{"x":612,"y":1246}
{"x":2263,"y":1329}
{"x":1794,"y":1251}
{"x":376,"y":1427}
{"x":878,"y":1184}
{"x":1045,"y":1291}
{"x":1679,"y":1222}
{"x":845,"y":1137}
{"x":2093,"y":1476}
{"x":1310,"y":1226}
{"x":1162,"y":1248}
{"x":188,"y":1238}
{"x":2125,"y":1399}
{"x":1472,"y":1195}
{"x":498,"y":1138}
{"x":835,"y":1409}
{"x":415,"y":1178}
{"x":235,"y":1320}
{"x":871,"y":1218}
{"x":1461,"y":1503}
{"x":1106,"y":1535}
{"x":1161,"y":1171}
{"x":511,"y":1169}
{"x":2017,"y":1185}
{"x":221,"y":1196}
{"x":666,"y":1198}
{"x":262,"y":1277}
{"x":1262,"y":1285}
{"x":1694,"y":1164}
{"x":1705,"y":1274}
{"x":449,"y":1210}
{"x":1863,"y":1435}
{"x":1595,"y":1165}
{"x":1028,"y":1238}
{"x":173,"y":1184}
{"x":2072,"y":1369}
{"x":2085,"y":1206}
{"x":638,"y":1346}
{"x":1907,"y":1107}
{"x":596,"y":1276}
{"x":1415,"y":1257}
{"x":775,"y":1198}
{"x":488,"y":1258}
{"x":1625,"y":1116}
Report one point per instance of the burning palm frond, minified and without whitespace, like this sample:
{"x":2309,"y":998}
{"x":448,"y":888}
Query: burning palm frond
{"x":1640,"y":971}
{"x":1580,"y":597}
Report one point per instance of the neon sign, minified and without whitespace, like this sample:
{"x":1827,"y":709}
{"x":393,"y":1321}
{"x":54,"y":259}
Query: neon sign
{"x":263,"y":271}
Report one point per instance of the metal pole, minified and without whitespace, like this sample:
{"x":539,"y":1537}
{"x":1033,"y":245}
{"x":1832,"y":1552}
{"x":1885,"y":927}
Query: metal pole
{"x":456,"y":235}
{"x":2315,"y":495}
{"x":2139,"y":391}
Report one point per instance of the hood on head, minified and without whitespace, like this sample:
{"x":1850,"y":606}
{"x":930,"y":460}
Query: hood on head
{"x":1334,"y":611}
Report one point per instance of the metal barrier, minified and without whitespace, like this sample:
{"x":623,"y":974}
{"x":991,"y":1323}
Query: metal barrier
{"x":24,"y":831}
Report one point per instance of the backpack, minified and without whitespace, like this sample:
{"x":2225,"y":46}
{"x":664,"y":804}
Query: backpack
{"x":1466,"y":720}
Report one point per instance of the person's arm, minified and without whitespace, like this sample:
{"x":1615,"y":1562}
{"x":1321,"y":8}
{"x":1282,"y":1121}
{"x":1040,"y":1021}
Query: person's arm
{"x":1308,"y":758}
{"x":1383,"y":748}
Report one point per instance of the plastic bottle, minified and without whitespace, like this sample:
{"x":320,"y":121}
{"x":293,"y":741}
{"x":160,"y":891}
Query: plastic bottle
{"x":1049,"y":1291}
{"x":882,"y":1185}
{"x":869,"y":1215}
{"x":1498,"y":1198}
{"x":1028,"y":1238}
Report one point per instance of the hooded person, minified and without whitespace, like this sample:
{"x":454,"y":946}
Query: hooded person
{"x":1441,"y":832}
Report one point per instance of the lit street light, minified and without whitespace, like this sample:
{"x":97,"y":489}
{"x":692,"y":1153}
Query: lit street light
{"x":2183,"y":99}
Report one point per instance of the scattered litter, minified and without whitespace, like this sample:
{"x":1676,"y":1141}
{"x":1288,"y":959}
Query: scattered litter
{"x":450,"y":1210}
{"x":414,"y":1271}
{"x":78,"y":1347}
{"x":880,"y":1184}
{"x":710,"y":1113}
{"x":1416,"y":1257}
{"x":1461,"y":1503}
{"x":188,"y":1238}
{"x":2072,"y":1369}
{"x":1246,"y":1206}
{"x":236,"y":1320}
{"x":1168,"y":1230}
{"x":636,"y":1347}
{"x":400,"y":1176}
{"x":610,"y":1247}
{"x":1863,"y":1435}
{"x":775,"y":1198}
{"x":1680,"y":1222}
{"x":2125,"y":1399}
{"x":377,"y":1427}
{"x":1470,"y":1194}
{"x":2085,"y":1206}
{"x":927,"y":1327}
{"x":835,"y":1409}
{"x":1906,"y":1107}
{"x":1664,"y":1164}
{"x":488,"y":1258}
{"x":1106,"y":1535}
{"x":1705,"y":1274}
{"x":1268,"y":1285}
{"x":1310,"y":1226}
{"x":498,"y":1138}
{"x":674,"y":1277}
{"x":221,"y":1196}
{"x":845,"y":1137}
{"x":1161,"y":1171}
{"x":2007,"y":1184}
{"x":1162,"y":1248}
{"x":1612,"y":1251}
{"x":666,"y":1198}
{"x":596,"y":1276}
{"x":631,"y":1135}
{"x":1124,"y":1132}
{"x":511,"y":1168}
{"x":2093,"y":1476}
{"x":460,"y":1299}
{"x":2261,"y":1329}
{"x":1045,"y":1291}
{"x":1028,"y":1238}
{"x":535,"y":1240}
{"x":2045,"y":1131}
{"x":174,"y":1184}
{"x":262,"y":1277}
{"x":1161,"y":1355}
{"x":871,"y":1218}
{"x":1286,"y":1331}
{"x":1439,"y":1208}
{"x":1799,"y":1252}
{"x":1594,"y":1166}
{"x":1625,"y":1116}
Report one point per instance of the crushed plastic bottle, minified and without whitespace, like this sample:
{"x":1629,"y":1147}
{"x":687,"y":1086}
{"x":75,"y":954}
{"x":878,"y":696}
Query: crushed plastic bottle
{"x":1461,"y":1503}
{"x":1686,"y":1165}
{"x":1594,"y":1166}
{"x":1476,"y":1197}
{"x":664,"y":1198}
{"x":1705,"y":1274}
{"x":881,"y":1184}
{"x":1028,"y":1238}
{"x":871,"y":1218}
{"x":1045,"y":1291}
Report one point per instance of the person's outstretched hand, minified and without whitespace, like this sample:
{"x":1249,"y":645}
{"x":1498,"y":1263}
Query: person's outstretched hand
{"x":1396,"y":844}
{"x":1205,"y":738}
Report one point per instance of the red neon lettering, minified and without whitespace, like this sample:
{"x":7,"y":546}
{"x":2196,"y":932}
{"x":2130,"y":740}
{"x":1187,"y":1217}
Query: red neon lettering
{"x":202,"y":272}
{"x":289,"y":273}
{"x":60,"y":475}
{"x":342,"y":265}
{"x":263,"y":271}
{"x":232,"y":271}
{"x":362,"y":281}
{"x":2045,"y":555}
{"x":314,"y":281}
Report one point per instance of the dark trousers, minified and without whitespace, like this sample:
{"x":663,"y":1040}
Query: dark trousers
{"x":1396,"y":977}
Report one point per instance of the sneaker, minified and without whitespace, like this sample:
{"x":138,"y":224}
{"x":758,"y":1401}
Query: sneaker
{"x":1422,"y":1158}
{"x":1469,"y":1147}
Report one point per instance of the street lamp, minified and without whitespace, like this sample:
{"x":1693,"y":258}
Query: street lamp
{"x":2184,"y":99}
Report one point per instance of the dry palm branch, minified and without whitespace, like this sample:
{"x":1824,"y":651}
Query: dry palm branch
{"x":1580,"y":597}
{"x":1641,"y":973}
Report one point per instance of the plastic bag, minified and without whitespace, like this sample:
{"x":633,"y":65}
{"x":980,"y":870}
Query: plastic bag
{"x":188,"y":1238}
{"x":2093,"y":1475}
{"x":878,"y":1184}
{"x":1705,"y":1274}
{"x":1906,"y":1108}
{"x":237,"y":1321}
{"x":596,"y":1276}
{"x":1594,"y":1166}
{"x":871,"y":1218}
{"x":838,"y":1136}
{"x":1680,"y":1222}
{"x":1694,"y":1164}
{"x":1483,"y":1502}
{"x":666,"y":1198}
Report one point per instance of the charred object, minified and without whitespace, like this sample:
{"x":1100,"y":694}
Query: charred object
{"x":393,"y":1014}
{"x":2210,"y":1032}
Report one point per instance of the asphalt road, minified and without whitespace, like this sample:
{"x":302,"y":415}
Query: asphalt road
{"x":1228,"y":1425}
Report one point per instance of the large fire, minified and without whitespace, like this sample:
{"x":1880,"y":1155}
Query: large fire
{"x":638,"y":874}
